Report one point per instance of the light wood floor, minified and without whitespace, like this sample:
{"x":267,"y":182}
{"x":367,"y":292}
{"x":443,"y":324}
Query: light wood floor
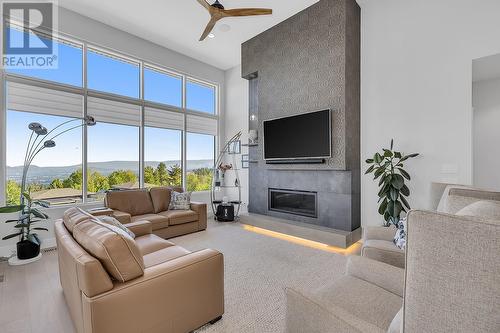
{"x":31,"y":298}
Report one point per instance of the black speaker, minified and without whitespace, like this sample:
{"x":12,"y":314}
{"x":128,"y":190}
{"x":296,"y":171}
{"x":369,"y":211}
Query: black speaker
{"x":225,"y":212}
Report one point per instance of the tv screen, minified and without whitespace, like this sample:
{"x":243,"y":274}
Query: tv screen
{"x":302,"y":136}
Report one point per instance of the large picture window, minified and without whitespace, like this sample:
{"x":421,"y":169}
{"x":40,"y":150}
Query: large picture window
{"x":154,"y":127}
{"x":200,"y":150}
{"x":57,"y":176}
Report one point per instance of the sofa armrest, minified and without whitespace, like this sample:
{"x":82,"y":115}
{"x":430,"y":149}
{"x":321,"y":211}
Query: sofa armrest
{"x":380,"y":233}
{"x":123,"y":217}
{"x":385,"y":276}
{"x":201,"y":209}
{"x":179,"y":295}
{"x":140,"y":228}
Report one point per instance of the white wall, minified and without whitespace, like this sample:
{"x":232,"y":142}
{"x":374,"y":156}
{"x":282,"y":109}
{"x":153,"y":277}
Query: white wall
{"x":84,"y":28}
{"x":416,"y":86}
{"x":236,"y":118}
{"x":486,"y":137}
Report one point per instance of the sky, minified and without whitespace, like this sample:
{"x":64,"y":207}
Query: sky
{"x":110,"y":142}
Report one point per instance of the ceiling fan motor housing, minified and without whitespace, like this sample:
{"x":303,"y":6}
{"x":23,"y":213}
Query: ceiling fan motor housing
{"x":217,"y":4}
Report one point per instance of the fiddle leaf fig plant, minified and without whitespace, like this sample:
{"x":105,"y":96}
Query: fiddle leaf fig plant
{"x":387,"y":166}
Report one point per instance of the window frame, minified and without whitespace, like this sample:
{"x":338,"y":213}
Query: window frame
{"x":85,"y":92}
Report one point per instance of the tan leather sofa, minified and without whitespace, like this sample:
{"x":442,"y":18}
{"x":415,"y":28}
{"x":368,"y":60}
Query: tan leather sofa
{"x":143,"y":205}
{"x":114,"y":283}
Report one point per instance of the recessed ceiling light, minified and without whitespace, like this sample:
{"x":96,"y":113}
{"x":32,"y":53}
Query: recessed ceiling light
{"x":211,"y":35}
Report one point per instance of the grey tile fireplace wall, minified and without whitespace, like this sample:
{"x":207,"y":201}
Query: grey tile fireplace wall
{"x":309,"y":62}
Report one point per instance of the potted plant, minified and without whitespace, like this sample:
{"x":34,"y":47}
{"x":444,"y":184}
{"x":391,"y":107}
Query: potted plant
{"x":387,"y":166}
{"x":28,"y":246}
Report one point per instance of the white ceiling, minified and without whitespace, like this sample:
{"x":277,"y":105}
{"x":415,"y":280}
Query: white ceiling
{"x":486,"y":68}
{"x":178,"y":25}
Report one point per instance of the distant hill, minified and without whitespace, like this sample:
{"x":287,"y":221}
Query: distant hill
{"x":45,"y":175}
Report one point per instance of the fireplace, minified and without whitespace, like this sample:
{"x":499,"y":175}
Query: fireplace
{"x":303,"y":203}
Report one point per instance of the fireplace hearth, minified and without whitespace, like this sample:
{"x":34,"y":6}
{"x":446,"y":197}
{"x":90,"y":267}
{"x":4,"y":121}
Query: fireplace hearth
{"x":303,"y":203}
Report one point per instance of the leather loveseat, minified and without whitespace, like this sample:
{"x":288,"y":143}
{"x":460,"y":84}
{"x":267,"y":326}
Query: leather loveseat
{"x":115,"y":283}
{"x":153,"y":206}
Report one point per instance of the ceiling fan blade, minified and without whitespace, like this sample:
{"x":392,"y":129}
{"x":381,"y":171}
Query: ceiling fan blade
{"x":209,"y":28}
{"x":246,"y":12}
{"x":204,"y":4}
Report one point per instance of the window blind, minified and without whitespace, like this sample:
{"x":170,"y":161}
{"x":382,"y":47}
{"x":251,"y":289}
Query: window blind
{"x":202,"y":125}
{"x":108,"y":111}
{"x":164,"y":119}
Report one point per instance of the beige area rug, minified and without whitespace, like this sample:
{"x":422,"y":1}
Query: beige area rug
{"x":257,"y":270}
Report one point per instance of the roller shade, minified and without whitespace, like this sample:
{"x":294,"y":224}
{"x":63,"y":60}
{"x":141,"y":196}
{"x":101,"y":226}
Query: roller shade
{"x":108,"y":111}
{"x":164,"y":119}
{"x":27,"y":98}
{"x":203,"y":125}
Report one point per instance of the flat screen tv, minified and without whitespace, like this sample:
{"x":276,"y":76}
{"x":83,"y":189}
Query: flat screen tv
{"x":303,"y":136}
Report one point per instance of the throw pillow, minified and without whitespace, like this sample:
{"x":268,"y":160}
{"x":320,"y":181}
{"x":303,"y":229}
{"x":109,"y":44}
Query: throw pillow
{"x":488,"y":209}
{"x":180,"y":201}
{"x":400,"y":236}
{"x":112,"y":221}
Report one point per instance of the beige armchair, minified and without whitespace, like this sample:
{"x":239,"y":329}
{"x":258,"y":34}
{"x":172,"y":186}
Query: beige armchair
{"x":378,"y":241}
{"x":451,"y":284}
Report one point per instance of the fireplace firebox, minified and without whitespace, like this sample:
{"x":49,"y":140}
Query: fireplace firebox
{"x":294,"y":202}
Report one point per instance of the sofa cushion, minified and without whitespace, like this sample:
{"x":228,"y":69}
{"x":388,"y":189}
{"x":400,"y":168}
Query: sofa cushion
{"x":384,"y":251}
{"x":134,"y":202}
{"x":114,"y":222}
{"x":180,"y":216}
{"x":157,"y":221}
{"x":180,"y":200}
{"x":397,"y":323}
{"x":114,"y":248}
{"x":372,"y":305}
{"x":73,"y":216}
{"x":161,"y":198}
{"x":485,"y":208}
{"x":150,"y":243}
{"x":164,"y":255}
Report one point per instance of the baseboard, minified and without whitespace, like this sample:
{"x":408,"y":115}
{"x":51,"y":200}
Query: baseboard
{"x":320,"y":234}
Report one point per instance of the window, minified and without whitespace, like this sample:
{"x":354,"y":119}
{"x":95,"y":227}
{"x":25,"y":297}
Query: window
{"x":200,"y":151}
{"x":174,"y":119}
{"x":162,"y":157}
{"x":162,"y":88}
{"x":200,"y":97}
{"x":56,"y":173}
{"x":111,"y":74}
{"x":69,"y":70}
{"x":113,"y":158}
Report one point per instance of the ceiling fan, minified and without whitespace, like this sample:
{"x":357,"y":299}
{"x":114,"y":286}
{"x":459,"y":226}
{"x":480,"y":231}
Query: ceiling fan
{"x":217,"y":12}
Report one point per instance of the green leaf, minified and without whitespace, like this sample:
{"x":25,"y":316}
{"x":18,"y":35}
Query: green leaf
{"x":405,"y":190}
{"x":379,"y":172}
{"x":383,"y":206}
{"x":22,"y":225}
{"x":394,"y":194}
{"x":39,"y":213}
{"x":27,"y":196}
{"x":405,"y":202}
{"x":387,"y":216}
{"x":397,"y":181}
{"x":392,"y":144}
{"x":370,"y":169}
{"x":397,"y":154}
{"x":397,"y":209}
{"x":12,"y":235}
{"x":11,"y":209}
{"x":413,"y":155}
{"x":369,"y":161}
{"x":383,"y":191}
{"x":378,"y":158}
{"x":404,"y":173}
{"x":383,"y":180}
{"x":10,"y":221}
{"x":38,"y":228}
{"x":387,"y":153}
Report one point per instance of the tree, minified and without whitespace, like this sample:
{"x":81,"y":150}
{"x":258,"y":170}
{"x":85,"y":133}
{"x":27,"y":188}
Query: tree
{"x":149,"y":175}
{"x":97,"y":182}
{"x":175,"y":174}
{"x":199,"y":179}
{"x":13,"y":193}
{"x":74,"y":180}
{"x":56,"y":183}
{"x":161,"y":174}
{"x":121,"y":176}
